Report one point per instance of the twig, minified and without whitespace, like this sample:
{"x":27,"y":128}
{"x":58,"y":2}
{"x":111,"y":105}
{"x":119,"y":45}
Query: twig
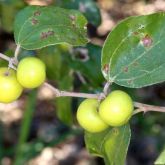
{"x":5,"y":57}
{"x":140,"y":106}
{"x":59,"y":93}
{"x":137,"y":111}
{"x":82,"y":95}
{"x":145,"y":108}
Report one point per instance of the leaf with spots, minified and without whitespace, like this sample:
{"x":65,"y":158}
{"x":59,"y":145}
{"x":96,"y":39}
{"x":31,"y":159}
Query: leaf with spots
{"x":133,"y":53}
{"x":36,"y":27}
{"x":111,"y":144}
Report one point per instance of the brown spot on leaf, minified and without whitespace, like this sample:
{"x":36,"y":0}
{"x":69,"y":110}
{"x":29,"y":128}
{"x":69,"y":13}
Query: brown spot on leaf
{"x":37,"y":13}
{"x":147,"y":41}
{"x":125,"y":69}
{"x":34,"y":21}
{"x":135,"y":33}
{"x":47,"y":34}
{"x":106,"y":68}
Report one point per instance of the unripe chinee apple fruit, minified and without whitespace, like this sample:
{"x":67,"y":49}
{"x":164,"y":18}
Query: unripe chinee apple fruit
{"x":10,"y":89}
{"x":116,"y":109}
{"x":88,"y":116}
{"x":31,"y":72}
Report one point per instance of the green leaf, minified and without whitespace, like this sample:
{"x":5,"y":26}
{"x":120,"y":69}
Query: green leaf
{"x":133,"y":53}
{"x":161,"y":159}
{"x":88,"y":7}
{"x":36,"y":27}
{"x":111,"y":144}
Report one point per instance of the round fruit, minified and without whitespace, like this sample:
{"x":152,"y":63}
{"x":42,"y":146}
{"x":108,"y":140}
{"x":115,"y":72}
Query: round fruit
{"x":116,"y":109}
{"x":10,"y":89}
{"x":31,"y":72}
{"x":88,"y":116}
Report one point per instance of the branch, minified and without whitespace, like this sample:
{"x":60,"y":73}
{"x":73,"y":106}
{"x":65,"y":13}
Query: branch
{"x":140,"y":106}
{"x":5,"y":57}
{"x":146,"y":108}
{"x":59,"y":93}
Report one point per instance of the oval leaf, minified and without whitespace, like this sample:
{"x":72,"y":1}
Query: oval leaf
{"x":111,"y":144}
{"x":36,"y":27}
{"x":133,"y":53}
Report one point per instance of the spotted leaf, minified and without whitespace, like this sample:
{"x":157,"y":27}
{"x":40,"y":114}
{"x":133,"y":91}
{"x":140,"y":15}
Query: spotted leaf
{"x":133,"y":53}
{"x":36,"y":27}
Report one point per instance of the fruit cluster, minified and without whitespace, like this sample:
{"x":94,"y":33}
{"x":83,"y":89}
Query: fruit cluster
{"x":31,"y":73}
{"x":115,"y":110}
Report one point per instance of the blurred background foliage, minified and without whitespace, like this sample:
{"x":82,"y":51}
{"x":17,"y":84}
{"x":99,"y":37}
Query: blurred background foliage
{"x":39,"y":129}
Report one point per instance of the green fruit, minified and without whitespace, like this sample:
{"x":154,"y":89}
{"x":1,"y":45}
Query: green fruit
{"x":31,"y":72}
{"x":116,"y":109}
{"x":88,"y":116}
{"x":10,"y":89}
